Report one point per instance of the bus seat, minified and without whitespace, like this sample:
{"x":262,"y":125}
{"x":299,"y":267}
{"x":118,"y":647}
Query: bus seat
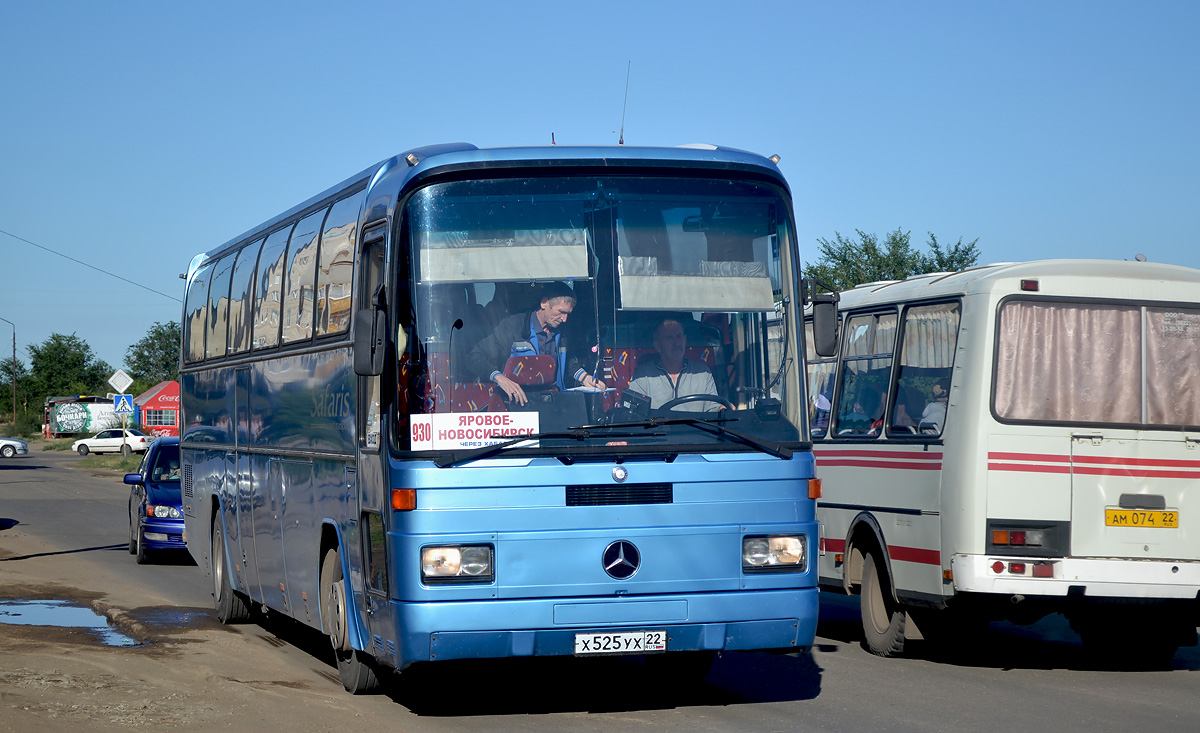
{"x":532,"y":370}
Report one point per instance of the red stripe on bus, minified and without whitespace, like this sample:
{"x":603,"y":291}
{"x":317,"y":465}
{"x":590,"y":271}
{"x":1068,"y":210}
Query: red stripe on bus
{"x":1135,"y":473}
{"x":915,"y":554}
{"x":830,"y":545}
{"x":1171,"y":462}
{"x":1102,"y":460}
{"x":898,"y":465}
{"x":898,"y":455}
{"x":896,"y":552}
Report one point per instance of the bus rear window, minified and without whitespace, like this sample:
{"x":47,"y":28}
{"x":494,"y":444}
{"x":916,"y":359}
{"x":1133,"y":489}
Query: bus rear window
{"x":1083,"y":363}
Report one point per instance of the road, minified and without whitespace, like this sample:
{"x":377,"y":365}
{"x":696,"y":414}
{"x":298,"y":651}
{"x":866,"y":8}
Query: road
{"x":64,"y":533}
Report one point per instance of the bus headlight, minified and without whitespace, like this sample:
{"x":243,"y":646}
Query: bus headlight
{"x":779,"y":554}
{"x":456,"y":564}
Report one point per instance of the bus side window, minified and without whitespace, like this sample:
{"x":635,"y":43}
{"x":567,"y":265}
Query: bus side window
{"x":867,"y":350}
{"x":928,"y":343}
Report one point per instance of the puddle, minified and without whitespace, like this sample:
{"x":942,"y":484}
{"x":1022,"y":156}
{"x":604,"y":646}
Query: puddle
{"x":60,"y":613}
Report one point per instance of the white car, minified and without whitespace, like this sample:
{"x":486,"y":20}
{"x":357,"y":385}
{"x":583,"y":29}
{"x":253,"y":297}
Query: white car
{"x":10,"y":447}
{"x":110,"y":441}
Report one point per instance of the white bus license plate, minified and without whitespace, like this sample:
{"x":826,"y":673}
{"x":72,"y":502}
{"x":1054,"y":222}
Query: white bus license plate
{"x":624,"y":642}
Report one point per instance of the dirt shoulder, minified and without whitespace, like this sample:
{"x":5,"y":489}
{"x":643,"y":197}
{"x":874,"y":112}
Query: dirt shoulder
{"x":184,"y":670}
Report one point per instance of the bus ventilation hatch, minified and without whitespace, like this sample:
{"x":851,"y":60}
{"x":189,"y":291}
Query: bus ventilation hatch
{"x":616,"y":495}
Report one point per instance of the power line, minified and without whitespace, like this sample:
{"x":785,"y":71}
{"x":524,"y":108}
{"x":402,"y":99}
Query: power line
{"x":97,"y":269}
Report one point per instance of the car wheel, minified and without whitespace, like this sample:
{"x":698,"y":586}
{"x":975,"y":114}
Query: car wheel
{"x":142,"y":556}
{"x":8,"y":451}
{"x":126,"y":450}
{"x":132,"y":529}
{"x":83,"y":450}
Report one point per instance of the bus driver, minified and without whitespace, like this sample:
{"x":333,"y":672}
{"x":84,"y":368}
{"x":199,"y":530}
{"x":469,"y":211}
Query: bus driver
{"x":527,"y":334}
{"x":672,"y":375}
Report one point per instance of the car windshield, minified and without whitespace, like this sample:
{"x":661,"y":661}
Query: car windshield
{"x":675,"y":293}
{"x":166,"y":464}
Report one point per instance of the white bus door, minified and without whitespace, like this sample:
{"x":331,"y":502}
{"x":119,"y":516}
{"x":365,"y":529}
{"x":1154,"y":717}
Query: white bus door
{"x":1129,"y":498}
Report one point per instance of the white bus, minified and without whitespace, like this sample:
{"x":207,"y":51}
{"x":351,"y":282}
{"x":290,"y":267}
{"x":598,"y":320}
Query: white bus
{"x":1012,"y":441}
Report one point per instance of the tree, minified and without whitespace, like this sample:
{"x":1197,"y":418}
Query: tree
{"x":845,"y":263}
{"x":63,"y":365}
{"x":155,"y":358}
{"x":6,"y":380}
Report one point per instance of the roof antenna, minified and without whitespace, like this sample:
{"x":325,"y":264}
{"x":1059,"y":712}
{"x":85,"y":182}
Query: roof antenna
{"x":621,"y":140}
{"x":552,"y":139}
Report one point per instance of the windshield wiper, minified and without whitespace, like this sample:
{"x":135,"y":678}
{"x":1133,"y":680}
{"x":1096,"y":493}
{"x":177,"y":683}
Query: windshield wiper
{"x":580,"y":433}
{"x":712,"y":427}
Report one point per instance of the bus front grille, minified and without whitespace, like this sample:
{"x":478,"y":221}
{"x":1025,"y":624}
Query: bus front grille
{"x":614,"y":495}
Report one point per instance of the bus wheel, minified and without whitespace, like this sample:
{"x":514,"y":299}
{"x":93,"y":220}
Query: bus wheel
{"x":882,"y":618}
{"x":231,"y":606}
{"x":354,"y":667}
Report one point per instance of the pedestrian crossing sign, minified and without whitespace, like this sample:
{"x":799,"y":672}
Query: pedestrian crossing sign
{"x":123,"y":404}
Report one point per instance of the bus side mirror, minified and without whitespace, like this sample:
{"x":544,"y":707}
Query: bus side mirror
{"x":370,"y":327}
{"x":825,"y":328}
{"x":824,"y":315}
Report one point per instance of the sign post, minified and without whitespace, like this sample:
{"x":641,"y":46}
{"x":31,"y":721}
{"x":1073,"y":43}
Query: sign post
{"x":122,"y":403}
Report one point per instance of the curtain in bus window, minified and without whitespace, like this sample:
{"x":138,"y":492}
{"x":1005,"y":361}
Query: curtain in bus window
{"x":1067,"y":362}
{"x":240,"y":294}
{"x":926,"y":358}
{"x":196,"y":316}
{"x":218,"y":308}
{"x":1173,"y":366}
{"x":268,"y":288}
{"x":301,"y":274}
{"x":335,"y":270}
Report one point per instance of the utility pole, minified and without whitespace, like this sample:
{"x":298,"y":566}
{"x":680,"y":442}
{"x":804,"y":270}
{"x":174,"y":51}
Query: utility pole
{"x":14,"y":372}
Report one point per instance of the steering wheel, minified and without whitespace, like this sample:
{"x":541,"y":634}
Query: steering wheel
{"x":697,"y":398}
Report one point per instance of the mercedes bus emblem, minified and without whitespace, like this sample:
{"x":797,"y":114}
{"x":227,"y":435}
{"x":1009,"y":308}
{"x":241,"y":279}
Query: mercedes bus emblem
{"x":621,"y":559}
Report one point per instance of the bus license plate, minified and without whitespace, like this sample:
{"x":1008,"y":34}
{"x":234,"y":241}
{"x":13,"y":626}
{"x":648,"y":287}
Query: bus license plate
{"x":623,"y":642}
{"x":1141,"y":518}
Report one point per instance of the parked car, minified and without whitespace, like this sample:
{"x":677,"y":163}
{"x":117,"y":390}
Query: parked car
{"x":110,"y":441}
{"x":155,"y":503}
{"x":10,"y":447}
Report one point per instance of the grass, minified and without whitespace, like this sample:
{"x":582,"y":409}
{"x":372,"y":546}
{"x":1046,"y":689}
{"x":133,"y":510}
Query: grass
{"x":54,"y":443}
{"x":112,"y":462}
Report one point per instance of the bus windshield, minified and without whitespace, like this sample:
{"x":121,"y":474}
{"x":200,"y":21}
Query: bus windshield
{"x":541,"y":305}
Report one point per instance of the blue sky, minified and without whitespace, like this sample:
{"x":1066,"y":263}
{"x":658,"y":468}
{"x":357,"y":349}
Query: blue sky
{"x":134,"y":135}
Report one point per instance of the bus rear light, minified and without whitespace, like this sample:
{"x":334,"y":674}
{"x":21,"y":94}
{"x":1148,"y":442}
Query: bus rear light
{"x":1016,"y":568}
{"x":1029,"y":286}
{"x":404,"y":500}
{"x":1018,"y":537}
{"x":997,"y":567}
{"x":1043,"y":570}
{"x":814,"y":488}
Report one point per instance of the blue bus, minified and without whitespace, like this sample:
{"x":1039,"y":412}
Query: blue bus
{"x":423,"y":411}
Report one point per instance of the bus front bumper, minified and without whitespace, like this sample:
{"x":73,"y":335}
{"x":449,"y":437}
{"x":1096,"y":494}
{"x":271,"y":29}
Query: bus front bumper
{"x":709,"y":622}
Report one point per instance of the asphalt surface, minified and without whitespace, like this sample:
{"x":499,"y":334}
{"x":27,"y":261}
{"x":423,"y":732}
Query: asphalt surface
{"x":64,"y":534}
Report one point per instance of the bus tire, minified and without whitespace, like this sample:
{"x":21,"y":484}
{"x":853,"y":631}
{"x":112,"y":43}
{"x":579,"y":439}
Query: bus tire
{"x":231,"y":606}
{"x":882,"y":618}
{"x":356,"y":669}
